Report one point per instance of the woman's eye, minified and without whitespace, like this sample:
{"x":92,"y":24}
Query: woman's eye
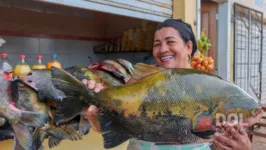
{"x":170,"y":42}
{"x":156,"y":45}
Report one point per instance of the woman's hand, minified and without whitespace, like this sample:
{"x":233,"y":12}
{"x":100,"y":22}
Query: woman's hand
{"x":92,"y":112}
{"x":234,"y":138}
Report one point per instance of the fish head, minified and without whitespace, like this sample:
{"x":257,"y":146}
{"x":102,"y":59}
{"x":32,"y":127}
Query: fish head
{"x":242,"y":110}
{"x":38,"y":78}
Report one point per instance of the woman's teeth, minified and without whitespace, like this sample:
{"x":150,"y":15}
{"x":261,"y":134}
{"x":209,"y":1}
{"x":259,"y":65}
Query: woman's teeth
{"x":166,"y":58}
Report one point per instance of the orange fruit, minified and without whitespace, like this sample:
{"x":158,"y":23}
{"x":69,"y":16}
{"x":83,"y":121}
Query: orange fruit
{"x":193,"y":63}
{"x":198,"y":66}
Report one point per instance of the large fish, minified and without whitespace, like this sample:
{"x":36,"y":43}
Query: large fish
{"x":164,"y":106}
{"x":20,"y":120}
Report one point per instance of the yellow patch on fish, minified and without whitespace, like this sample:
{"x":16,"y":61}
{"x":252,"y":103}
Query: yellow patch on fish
{"x":131,"y":97}
{"x":198,"y":88}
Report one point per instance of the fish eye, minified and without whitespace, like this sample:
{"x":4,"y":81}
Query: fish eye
{"x":29,"y":74}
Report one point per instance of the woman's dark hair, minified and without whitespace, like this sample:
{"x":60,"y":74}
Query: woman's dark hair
{"x":183,"y":28}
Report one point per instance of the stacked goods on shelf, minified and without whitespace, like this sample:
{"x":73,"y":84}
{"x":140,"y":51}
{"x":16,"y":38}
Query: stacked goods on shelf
{"x":22,"y":68}
{"x":54,"y":62}
{"x":39,"y":64}
{"x":133,"y":40}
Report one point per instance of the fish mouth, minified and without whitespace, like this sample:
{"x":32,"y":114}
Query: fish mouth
{"x":31,"y":84}
{"x":252,"y":121}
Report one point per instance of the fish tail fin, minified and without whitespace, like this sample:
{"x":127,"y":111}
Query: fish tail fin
{"x":23,"y":137}
{"x":84,"y":126}
{"x":76,"y":92}
{"x":34,"y":119}
{"x":53,"y":141}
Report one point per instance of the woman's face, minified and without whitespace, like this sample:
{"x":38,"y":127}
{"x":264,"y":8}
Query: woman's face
{"x":169,"y":49}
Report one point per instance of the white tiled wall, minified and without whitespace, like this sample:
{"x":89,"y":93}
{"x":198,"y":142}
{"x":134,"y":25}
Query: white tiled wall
{"x":70,"y":52}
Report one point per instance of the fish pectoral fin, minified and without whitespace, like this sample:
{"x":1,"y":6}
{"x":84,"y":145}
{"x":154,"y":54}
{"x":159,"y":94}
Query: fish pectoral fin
{"x":142,"y":70}
{"x":53,"y":141}
{"x":84,"y":126}
{"x":112,"y":132}
{"x":23,"y":135}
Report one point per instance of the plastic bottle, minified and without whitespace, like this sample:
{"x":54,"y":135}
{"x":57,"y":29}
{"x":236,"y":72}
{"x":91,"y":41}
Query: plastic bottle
{"x":5,"y":63}
{"x":22,"y":69}
{"x":39,"y":65}
{"x":54,"y":62}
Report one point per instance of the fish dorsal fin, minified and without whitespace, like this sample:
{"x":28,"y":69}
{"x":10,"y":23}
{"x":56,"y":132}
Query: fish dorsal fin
{"x":142,"y":70}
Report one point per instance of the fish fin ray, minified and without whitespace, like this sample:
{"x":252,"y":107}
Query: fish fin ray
{"x":53,"y":141}
{"x":23,"y":135}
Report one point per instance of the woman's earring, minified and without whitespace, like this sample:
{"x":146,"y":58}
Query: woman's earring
{"x":189,"y":57}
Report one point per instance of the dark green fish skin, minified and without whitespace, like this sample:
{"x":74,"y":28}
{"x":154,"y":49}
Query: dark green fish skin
{"x":164,"y":107}
{"x":40,"y":80}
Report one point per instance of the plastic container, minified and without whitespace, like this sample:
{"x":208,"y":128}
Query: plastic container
{"x":39,"y":64}
{"x":22,"y":69}
{"x":5,"y":63}
{"x":54,"y":62}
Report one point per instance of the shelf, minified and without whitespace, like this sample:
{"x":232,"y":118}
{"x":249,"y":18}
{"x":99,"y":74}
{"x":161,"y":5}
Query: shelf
{"x":122,"y":52}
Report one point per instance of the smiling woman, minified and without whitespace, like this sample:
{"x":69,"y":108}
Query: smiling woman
{"x":174,"y":44}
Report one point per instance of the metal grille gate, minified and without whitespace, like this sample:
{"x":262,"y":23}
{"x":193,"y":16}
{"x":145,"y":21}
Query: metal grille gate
{"x":248,"y":36}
